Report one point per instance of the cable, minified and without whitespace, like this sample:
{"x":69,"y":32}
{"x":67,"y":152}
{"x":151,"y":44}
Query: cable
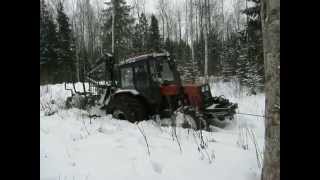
{"x":251,"y":114}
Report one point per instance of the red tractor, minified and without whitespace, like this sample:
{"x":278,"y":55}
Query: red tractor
{"x":147,"y":85}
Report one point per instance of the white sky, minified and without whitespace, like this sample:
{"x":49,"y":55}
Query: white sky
{"x":152,"y":4}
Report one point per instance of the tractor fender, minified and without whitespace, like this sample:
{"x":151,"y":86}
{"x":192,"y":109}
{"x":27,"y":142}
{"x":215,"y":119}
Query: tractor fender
{"x":130,"y":91}
{"x":121,"y":91}
{"x":127,"y":92}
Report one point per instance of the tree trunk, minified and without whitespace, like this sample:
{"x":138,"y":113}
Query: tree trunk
{"x":196,"y":28}
{"x":113,"y":16}
{"x":270,"y":16}
{"x":222,"y":10}
{"x":192,"y":39}
{"x":186,"y":23}
{"x":167,"y":25}
{"x":179,"y":24}
{"x":163,"y":32}
{"x":206,"y":41}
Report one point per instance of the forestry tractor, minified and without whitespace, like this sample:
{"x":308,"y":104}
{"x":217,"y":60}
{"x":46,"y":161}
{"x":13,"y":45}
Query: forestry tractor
{"x":149,"y":86}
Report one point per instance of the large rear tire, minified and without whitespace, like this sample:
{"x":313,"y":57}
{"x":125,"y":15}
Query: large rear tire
{"x":127,"y":107}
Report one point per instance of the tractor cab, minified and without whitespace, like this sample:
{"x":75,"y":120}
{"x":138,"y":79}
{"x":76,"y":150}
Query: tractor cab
{"x":152,"y":76}
{"x":159,"y":68}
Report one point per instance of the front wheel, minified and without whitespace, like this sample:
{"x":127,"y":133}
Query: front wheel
{"x":195,"y":119}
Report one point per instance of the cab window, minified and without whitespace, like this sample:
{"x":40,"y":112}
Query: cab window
{"x":166,"y":72}
{"x":141,"y":76}
{"x":127,"y":78}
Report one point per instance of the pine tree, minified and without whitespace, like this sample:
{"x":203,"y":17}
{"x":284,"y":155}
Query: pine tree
{"x":252,"y":47}
{"x":48,"y":41}
{"x":213,"y":53}
{"x":66,"y":54}
{"x":122,"y":28}
{"x":144,"y":30}
{"x":48,"y":36}
{"x":199,"y":51}
{"x":230,"y":56}
{"x":43,"y":40}
{"x":154,"y":43}
{"x":140,"y":37}
{"x":242,"y":63}
{"x":169,"y":46}
{"x":227,"y":65}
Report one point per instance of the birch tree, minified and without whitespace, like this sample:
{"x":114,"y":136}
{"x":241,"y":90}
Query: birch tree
{"x":191,"y":15}
{"x":206,"y":24}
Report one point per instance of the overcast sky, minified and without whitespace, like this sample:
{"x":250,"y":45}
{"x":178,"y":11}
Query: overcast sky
{"x":152,"y":4}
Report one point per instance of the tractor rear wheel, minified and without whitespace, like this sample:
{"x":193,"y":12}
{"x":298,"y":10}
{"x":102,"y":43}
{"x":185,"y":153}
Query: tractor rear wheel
{"x":128,"y":108}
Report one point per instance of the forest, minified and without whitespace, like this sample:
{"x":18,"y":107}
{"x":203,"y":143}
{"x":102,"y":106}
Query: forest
{"x":206,"y":37}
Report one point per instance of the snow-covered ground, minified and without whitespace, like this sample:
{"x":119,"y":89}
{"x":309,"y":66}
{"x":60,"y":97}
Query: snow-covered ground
{"x":75,"y":147}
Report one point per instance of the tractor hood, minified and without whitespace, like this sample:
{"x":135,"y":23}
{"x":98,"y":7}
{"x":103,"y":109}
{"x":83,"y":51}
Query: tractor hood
{"x":169,"y":89}
{"x":198,"y":95}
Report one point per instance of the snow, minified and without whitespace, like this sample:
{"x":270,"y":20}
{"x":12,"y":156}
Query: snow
{"x":132,"y":91}
{"x":73,"y":146}
{"x":141,"y":57}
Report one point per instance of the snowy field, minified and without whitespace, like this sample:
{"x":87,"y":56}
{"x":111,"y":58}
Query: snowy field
{"x":75,"y":147}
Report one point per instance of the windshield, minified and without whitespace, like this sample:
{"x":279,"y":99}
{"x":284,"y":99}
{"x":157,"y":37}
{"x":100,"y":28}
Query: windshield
{"x":161,"y":71}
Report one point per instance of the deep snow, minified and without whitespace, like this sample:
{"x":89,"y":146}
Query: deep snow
{"x":73,"y":146}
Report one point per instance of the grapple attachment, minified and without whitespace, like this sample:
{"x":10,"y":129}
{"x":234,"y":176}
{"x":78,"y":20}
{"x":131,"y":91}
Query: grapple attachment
{"x":207,"y":110}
